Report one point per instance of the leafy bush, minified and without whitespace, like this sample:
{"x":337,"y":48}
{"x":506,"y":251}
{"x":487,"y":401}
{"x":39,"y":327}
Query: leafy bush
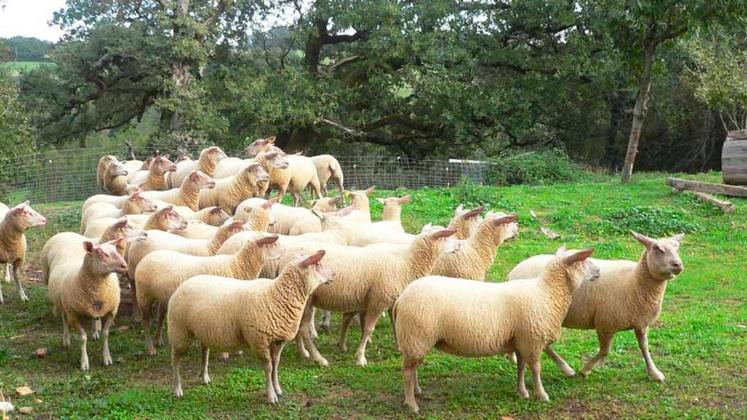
{"x":536,"y":168}
{"x":651,"y":221}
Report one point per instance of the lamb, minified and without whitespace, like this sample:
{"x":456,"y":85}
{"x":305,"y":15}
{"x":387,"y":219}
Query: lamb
{"x":188,"y":193}
{"x":327,"y":167}
{"x":477,"y":319}
{"x":136,"y":203}
{"x":361,"y":205}
{"x":476,"y":255}
{"x":155,"y":178}
{"x":230,"y":192}
{"x":224,"y":313}
{"x":101,"y":168}
{"x":88,"y":289}
{"x":158,"y":240}
{"x":115,"y":179}
{"x":627,"y":296}
{"x":206,"y":164}
{"x":368,"y":282}
{"x":13,"y":225}
{"x":293,"y":220}
{"x":160,"y":273}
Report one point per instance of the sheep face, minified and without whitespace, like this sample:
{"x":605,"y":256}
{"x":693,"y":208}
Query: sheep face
{"x":201,"y":180}
{"x":260,"y":145}
{"x":143,"y":203}
{"x":662,"y":255}
{"x":170,"y":219}
{"x":116,"y":169}
{"x":275,"y":159}
{"x":217,"y":216}
{"x":25,"y":217}
{"x":162,"y":164}
{"x":215,"y":154}
{"x":254,"y":175}
{"x":106,"y":257}
{"x":314,"y":273}
{"x":395,"y":202}
{"x":359,"y":197}
{"x":577,"y":266}
{"x":129,"y":232}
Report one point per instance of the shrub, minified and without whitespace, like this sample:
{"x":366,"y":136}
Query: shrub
{"x":535,"y":168}
{"x":651,"y":221}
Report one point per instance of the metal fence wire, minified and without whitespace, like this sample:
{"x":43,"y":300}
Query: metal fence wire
{"x":70,"y":174}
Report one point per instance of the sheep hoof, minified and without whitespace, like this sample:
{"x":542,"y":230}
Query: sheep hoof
{"x":656,"y":375}
{"x":95,"y":336}
{"x":342,"y":346}
{"x":272,"y":399}
{"x":224,"y":357}
{"x":323,"y":362}
{"x":569,"y":372}
{"x":108,"y":361}
{"x":523,"y":393}
{"x":84,"y":365}
{"x":325,"y":327}
{"x":584,"y":373}
{"x":151,"y":351}
{"x":304,"y":353}
{"x":362,"y":361}
{"x":543,"y":397}
{"x":24,"y":298}
{"x":206,"y":379}
{"x":178,"y":393}
{"x":413,"y":406}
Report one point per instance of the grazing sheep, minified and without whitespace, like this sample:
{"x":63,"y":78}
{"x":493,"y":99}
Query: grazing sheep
{"x":627,"y":296}
{"x":88,"y":289}
{"x":224,"y":313}
{"x":368,"y":282}
{"x":230,"y":192}
{"x":13,"y":225}
{"x":293,"y":220}
{"x":476,"y":255}
{"x":361,"y":206}
{"x":188,"y":193}
{"x":115,"y":179}
{"x":136,"y":203}
{"x":101,"y":168}
{"x":155,"y":178}
{"x":160,"y":273}
{"x":327,"y":167}
{"x":206,"y":164}
{"x":158,"y":240}
{"x":476,"y":319}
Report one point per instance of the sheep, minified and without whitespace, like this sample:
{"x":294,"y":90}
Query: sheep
{"x":160,"y":273}
{"x":88,"y":289}
{"x":13,"y":225}
{"x":327,"y":167}
{"x":224,"y":313}
{"x":66,"y":245}
{"x":293,"y":220}
{"x":627,"y":296}
{"x":368,"y":282}
{"x":206,"y":163}
{"x":115,"y":200}
{"x":158,"y":240}
{"x":134,"y":166}
{"x":393,"y":208}
{"x":204,"y":223}
{"x":265,"y":145}
{"x":101,"y":168}
{"x":257,"y":219}
{"x":476,"y":319}
{"x":155,"y":178}
{"x":232,"y":166}
{"x":476,"y":255}
{"x":361,"y":205}
{"x":115,"y":179}
{"x":300,"y":174}
{"x":165,"y":219}
{"x":230,"y":192}
{"x":136,"y":203}
{"x":188,"y":193}
{"x":213,"y":216}
{"x":465,"y":221}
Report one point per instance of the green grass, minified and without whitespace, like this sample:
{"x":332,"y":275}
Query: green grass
{"x":700,"y":341}
{"x":25,"y":65}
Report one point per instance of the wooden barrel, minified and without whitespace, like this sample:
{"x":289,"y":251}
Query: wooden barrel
{"x":734,"y":158}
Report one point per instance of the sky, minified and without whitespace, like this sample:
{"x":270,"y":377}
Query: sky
{"x":30,"y":18}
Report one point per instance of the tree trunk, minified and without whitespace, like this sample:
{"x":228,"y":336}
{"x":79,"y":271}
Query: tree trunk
{"x":639,"y":111}
{"x":617,"y":115}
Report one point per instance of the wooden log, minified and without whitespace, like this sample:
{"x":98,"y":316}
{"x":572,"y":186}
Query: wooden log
{"x":725,"y":206}
{"x":707,"y":187}
{"x":734,"y":158}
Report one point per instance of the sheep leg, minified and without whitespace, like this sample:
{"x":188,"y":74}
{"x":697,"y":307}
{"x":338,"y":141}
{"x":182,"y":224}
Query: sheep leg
{"x":642,"y":336}
{"x":296,"y":198}
{"x":605,"y":342}
{"x":159,"y":328}
{"x":410,"y":372}
{"x":312,"y":323}
{"x":75,"y":323}
{"x":96,"y":327}
{"x":394,"y":329}
{"x":347,"y":319}
{"x":65,"y":332}
{"x":176,"y":360}
{"x":1,"y":293}
{"x":308,"y":341}
{"x":272,"y":397}
{"x":133,"y":292}
{"x":7,"y":273}
{"x":205,"y":359}
{"x":300,"y":335}
{"x":539,"y":390}
{"x":327,"y":321}
{"x":108,"y":321}
{"x":562,"y":364}
{"x":145,"y":314}
{"x":276,"y":349}
{"x":361,"y":317}
{"x":521,"y":385}
{"x":17,"y":278}
{"x":369,"y":324}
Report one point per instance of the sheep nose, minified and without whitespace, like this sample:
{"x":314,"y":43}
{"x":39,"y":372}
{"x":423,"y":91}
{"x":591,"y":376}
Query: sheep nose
{"x":677,"y":267}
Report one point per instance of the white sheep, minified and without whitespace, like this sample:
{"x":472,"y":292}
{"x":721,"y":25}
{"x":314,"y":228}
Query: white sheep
{"x":392,"y":211}
{"x":160,"y":273}
{"x":361,"y":206}
{"x":300,"y":174}
{"x":230,"y":192}
{"x":116,"y":200}
{"x":115,"y":179}
{"x":207,"y":162}
{"x":88,"y":289}
{"x":165,"y":219}
{"x":136,"y":203}
{"x":204,"y":223}
{"x":627,"y":296}
{"x":101,"y":168}
{"x":188,"y":192}
{"x":155,"y":178}
{"x":327,"y":167}
{"x":476,"y":319}
{"x":13,"y":225}
{"x":368,"y":282}
{"x":293,"y":220}
{"x":224,"y":313}
{"x":265,"y":145}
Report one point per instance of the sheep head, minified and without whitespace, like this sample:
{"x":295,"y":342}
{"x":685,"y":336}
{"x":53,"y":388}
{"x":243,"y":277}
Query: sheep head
{"x":662,"y":255}
{"x":122,"y":228}
{"x":312,"y":271}
{"x":574,"y":265}
{"x":25,"y":217}
{"x":106,"y":258}
{"x":200,"y":180}
{"x":270,"y":246}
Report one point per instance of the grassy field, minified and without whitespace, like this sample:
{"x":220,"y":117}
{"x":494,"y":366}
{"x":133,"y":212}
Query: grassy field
{"x":700,"y":342}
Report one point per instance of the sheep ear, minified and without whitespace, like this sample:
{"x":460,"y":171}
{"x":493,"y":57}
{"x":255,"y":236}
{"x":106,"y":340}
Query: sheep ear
{"x":381,"y":200}
{"x":268,"y":204}
{"x":267,"y":240}
{"x":645,"y":240}
{"x":271,"y":140}
{"x":579,"y":256}
{"x":314,"y":259}
{"x":443,"y":233}
{"x":320,"y":216}
{"x":370,"y":189}
{"x":561,"y":251}
{"x":121,"y":223}
{"x":271,"y":155}
{"x":215,"y":210}
{"x":405,"y":199}
{"x":459,"y":209}
{"x":505,"y":219}
{"x":473,"y":213}
{"x":88,"y":246}
{"x":678,"y":237}
{"x":344,"y":212}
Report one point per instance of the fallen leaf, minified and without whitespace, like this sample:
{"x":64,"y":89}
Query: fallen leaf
{"x":24,"y":390}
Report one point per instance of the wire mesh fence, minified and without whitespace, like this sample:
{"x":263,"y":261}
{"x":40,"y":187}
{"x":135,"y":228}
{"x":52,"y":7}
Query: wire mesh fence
{"x":70,"y":174}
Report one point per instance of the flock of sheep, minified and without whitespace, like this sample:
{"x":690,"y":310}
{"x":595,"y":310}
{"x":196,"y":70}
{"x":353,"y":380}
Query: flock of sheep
{"x":220,"y":264}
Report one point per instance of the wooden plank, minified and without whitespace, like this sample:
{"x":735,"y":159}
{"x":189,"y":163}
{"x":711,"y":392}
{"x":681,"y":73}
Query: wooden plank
{"x":725,"y":206}
{"x":707,"y":187}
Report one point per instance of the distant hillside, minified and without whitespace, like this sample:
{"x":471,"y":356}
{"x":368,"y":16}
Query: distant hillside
{"x":20,"y":48}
